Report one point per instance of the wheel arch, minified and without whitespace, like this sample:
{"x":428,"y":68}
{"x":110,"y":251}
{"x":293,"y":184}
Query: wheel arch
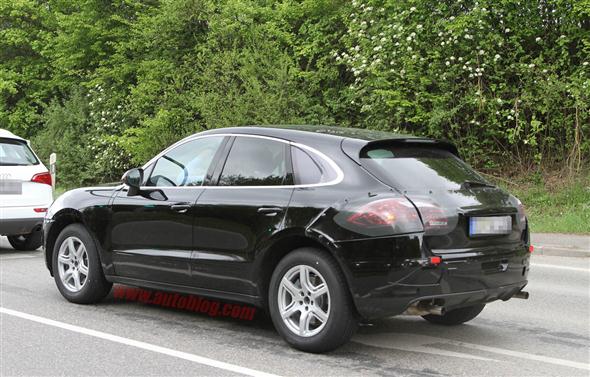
{"x":61,"y":220}
{"x":284,"y":244}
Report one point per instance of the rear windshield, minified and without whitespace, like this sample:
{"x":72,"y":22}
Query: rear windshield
{"x":419,"y":167}
{"x":16,"y":153}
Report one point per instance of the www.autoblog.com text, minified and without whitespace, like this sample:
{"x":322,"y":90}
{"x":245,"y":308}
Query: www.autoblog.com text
{"x":185,"y":302}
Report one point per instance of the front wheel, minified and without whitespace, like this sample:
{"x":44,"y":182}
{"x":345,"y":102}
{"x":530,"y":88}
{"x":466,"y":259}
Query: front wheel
{"x":309,"y":302}
{"x":76,"y":267}
{"x":456,"y":316}
{"x":26,"y":242}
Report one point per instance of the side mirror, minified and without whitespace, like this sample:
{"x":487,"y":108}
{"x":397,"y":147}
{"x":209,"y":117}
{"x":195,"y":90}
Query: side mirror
{"x":133,"y":178}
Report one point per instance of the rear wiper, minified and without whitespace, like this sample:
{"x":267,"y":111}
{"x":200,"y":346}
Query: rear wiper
{"x":470,"y":184}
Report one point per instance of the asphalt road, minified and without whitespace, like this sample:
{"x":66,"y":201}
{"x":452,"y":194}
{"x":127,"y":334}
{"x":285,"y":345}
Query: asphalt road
{"x":42,"y":334}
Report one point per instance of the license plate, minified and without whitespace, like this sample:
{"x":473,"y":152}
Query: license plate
{"x":11,"y":187}
{"x":490,"y":225}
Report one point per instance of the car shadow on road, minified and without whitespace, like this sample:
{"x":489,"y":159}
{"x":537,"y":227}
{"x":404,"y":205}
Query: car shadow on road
{"x":261,"y":324}
{"x":212,"y":311}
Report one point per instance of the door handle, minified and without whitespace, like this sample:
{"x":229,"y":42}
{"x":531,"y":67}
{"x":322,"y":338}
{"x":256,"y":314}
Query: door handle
{"x":181,"y":207}
{"x":270,"y":211}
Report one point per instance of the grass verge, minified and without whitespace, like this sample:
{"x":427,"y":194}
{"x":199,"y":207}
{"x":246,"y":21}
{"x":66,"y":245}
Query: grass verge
{"x":554,"y":204}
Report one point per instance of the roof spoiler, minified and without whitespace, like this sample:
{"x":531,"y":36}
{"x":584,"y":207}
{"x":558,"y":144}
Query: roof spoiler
{"x":353,"y":147}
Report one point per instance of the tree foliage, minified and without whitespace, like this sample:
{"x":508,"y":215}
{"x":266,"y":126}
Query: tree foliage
{"x":107,"y":84}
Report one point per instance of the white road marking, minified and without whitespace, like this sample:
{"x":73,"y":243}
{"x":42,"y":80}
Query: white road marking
{"x":561,"y":247}
{"x":413,"y":343}
{"x":24,"y":256}
{"x":543,"y":265}
{"x":424,"y":343}
{"x":138,"y":344}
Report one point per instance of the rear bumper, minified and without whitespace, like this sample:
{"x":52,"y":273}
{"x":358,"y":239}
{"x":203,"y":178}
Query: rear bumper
{"x":372,"y":308}
{"x":13,"y":227}
{"x":388,"y":289}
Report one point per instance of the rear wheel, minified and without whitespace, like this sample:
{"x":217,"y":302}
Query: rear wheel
{"x":456,"y":316}
{"x":26,"y":242}
{"x":309,"y":301}
{"x":76,"y":267}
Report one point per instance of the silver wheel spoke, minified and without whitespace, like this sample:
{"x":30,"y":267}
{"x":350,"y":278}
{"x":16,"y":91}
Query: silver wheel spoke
{"x":304,"y":279}
{"x":292,"y":309}
{"x":67,"y":275}
{"x":83,"y":269}
{"x":290,"y":287}
{"x":80,"y":250}
{"x":319,"y":291}
{"x":304,"y":323}
{"x":320,"y":314}
{"x":76,"y":276}
{"x":71,"y":246}
{"x":64,"y":259}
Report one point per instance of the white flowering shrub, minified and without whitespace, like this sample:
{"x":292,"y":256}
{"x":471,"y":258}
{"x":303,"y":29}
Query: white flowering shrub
{"x":503,"y":79}
{"x":506,"y":80}
{"x":85,"y":132}
{"x":107,"y":123}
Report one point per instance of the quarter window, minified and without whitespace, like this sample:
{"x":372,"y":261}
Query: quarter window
{"x":306,"y":170}
{"x":187,"y":164}
{"x":255,"y":161}
{"x":309,"y":170}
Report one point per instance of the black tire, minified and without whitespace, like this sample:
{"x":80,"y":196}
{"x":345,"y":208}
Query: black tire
{"x":26,"y":242}
{"x":96,"y":286}
{"x":341,"y":322}
{"x":456,"y":316}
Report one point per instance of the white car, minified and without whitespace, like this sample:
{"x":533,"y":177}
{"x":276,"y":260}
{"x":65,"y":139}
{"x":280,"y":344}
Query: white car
{"x":25,"y":192}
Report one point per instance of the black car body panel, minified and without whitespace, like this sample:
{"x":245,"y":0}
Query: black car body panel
{"x":224,"y":241}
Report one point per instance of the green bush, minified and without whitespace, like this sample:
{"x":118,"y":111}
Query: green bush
{"x":107,"y":85}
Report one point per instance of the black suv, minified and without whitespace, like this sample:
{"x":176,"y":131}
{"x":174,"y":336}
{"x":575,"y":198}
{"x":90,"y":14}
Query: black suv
{"x":322,"y":226}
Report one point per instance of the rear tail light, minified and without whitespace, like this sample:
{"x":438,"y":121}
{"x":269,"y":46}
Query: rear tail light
{"x":531,"y":249}
{"x":44,"y":178}
{"x":433,"y":217}
{"x":436,"y":219}
{"x":396,"y":213}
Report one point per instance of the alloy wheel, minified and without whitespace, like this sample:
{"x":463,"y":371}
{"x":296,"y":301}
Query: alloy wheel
{"x":304,"y":301}
{"x":72,"y":261}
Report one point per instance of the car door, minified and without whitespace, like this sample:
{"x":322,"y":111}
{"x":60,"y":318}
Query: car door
{"x":241,"y":212}
{"x":152,"y":233}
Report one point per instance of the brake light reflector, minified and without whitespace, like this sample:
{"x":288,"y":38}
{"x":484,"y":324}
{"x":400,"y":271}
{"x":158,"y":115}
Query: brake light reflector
{"x":40,"y":210}
{"x":44,"y":178}
{"x":435,"y":260}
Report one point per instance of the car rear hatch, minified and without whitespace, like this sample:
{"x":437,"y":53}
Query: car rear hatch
{"x":18,"y":166}
{"x":461,"y":211}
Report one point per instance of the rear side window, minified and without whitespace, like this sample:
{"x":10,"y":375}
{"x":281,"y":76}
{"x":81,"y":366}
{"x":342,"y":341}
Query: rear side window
{"x":305,"y":169}
{"x":309,"y":170}
{"x":185,"y":165}
{"x":255,"y":162}
{"x":418,"y":167}
{"x":16,"y":153}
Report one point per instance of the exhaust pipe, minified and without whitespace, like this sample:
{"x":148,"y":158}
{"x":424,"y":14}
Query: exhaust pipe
{"x":417,"y":309}
{"x":521,"y":294}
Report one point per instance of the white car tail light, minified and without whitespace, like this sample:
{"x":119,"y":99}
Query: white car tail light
{"x":44,"y":178}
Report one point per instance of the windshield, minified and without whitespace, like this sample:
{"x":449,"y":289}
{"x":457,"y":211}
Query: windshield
{"x":419,"y":167}
{"x":16,"y":153}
